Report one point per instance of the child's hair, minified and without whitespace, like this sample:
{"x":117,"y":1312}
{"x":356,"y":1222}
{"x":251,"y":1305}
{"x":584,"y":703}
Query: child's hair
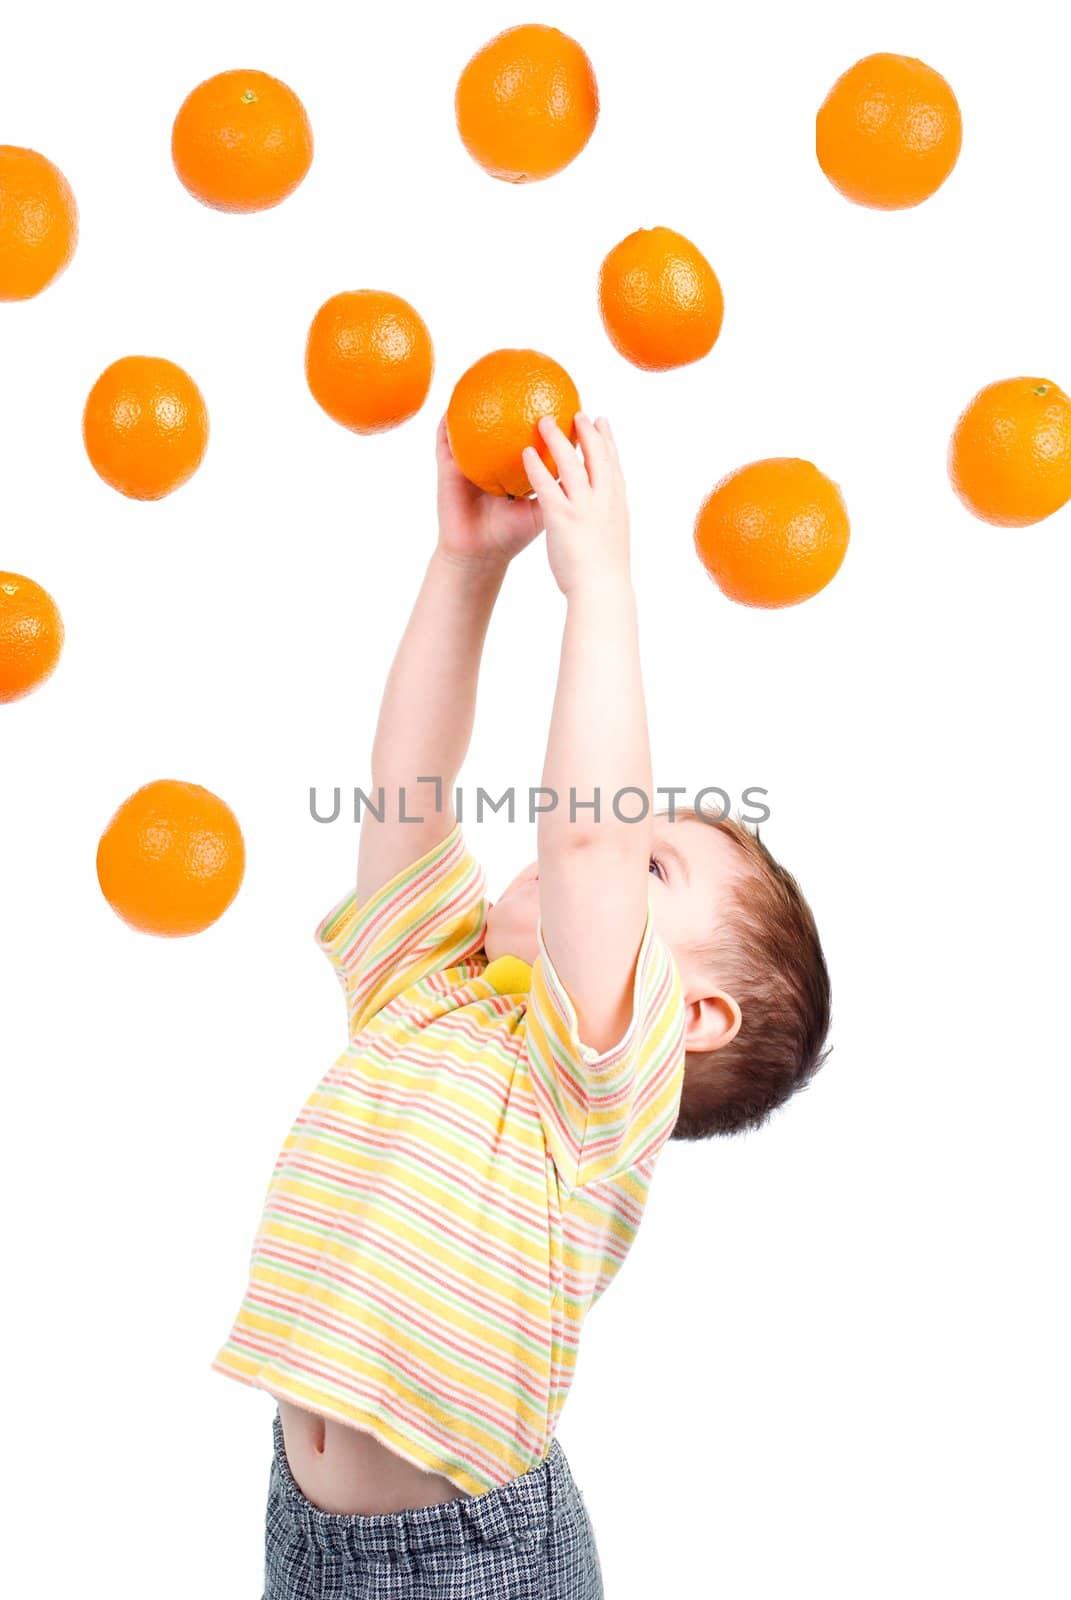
{"x":767,"y":955}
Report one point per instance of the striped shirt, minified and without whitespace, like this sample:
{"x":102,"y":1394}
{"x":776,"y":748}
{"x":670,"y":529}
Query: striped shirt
{"x":461,"y":1186}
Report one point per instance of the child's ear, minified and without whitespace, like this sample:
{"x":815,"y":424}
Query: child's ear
{"x":711,"y":1022}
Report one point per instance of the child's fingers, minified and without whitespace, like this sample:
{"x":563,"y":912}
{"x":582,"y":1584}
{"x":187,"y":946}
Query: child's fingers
{"x":522,"y":520}
{"x":596,"y":455}
{"x":605,"y":434}
{"x":571,"y":469}
{"x":541,"y":480}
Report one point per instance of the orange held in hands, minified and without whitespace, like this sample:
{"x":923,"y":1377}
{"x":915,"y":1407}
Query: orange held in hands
{"x":241,"y":141}
{"x":171,"y":859}
{"x":527,"y":103}
{"x":38,"y":222}
{"x":145,"y":426}
{"x":889,"y":132}
{"x":772,"y":533}
{"x":31,"y":636}
{"x":369,"y":359}
{"x":1010,"y":454}
{"x":493,"y":413}
{"x":660,"y":299}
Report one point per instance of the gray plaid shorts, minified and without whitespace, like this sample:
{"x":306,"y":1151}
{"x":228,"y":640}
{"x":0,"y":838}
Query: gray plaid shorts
{"x":529,"y":1539}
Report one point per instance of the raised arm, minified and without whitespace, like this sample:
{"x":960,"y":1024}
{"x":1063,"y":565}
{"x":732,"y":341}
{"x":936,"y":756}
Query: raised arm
{"x":593,"y":875}
{"x":429,"y":700}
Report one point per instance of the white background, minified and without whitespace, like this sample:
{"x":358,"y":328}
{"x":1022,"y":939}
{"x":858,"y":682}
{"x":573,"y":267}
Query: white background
{"x":835,"y":1364}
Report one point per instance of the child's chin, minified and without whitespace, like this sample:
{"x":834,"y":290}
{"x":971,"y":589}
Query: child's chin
{"x":508,"y":937}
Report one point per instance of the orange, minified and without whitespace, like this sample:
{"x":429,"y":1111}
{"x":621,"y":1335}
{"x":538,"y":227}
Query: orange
{"x":888,"y":132}
{"x":369,"y":359}
{"x":241,"y":141}
{"x":38,"y":222}
{"x":145,"y":426}
{"x":171,"y":859}
{"x":493,"y":413}
{"x":1010,"y":454}
{"x":527,"y":103}
{"x":772,"y":533}
{"x":660,"y":299}
{"x":31,"y":635}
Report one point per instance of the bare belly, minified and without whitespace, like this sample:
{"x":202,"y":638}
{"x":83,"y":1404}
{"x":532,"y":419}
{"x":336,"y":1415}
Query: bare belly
{"x":346,"y":1470}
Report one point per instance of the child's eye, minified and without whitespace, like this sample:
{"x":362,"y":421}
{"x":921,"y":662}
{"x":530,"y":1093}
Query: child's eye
{"x":657,"y":866}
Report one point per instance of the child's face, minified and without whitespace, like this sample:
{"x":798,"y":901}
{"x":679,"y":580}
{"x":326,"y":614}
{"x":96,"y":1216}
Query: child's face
{"x":691,"y":870}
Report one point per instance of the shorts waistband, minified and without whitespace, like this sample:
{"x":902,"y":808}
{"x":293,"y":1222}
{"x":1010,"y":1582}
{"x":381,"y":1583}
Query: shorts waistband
{"x":515,"y":1514}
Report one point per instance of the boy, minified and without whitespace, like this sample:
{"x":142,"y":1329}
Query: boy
{"x":466,"y":1180}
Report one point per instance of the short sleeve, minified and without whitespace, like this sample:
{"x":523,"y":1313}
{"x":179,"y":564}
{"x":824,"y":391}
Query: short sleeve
{"x":604,"y":1113}
{"x":430,"y":916}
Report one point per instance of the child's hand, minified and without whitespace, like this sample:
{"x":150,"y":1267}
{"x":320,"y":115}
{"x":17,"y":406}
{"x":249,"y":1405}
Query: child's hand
{"x":479,"y":527}
{"x":586,"y":514}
